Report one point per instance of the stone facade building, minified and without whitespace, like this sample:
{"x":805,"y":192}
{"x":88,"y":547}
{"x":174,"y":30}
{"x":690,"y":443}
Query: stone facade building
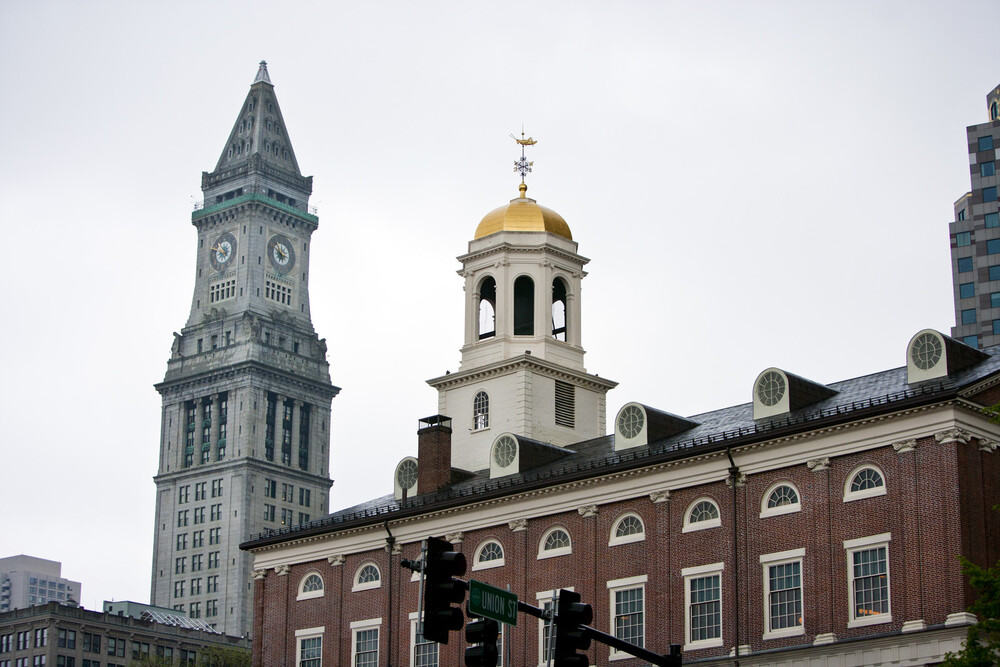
{"x":817,"y":524}
{"x":975,"y":236}
{"x":59,"y":635}
{"x":245,"y":431}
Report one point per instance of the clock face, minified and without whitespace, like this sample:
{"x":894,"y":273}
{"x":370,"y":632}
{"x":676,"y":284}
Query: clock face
{"x":280,"y":253}
{"x":221,"y":252}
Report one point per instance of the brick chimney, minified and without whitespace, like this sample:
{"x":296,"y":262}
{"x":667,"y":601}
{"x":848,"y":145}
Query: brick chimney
{"x":433,"y":454}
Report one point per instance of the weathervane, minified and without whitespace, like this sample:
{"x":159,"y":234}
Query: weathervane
{"x":523,"y":166}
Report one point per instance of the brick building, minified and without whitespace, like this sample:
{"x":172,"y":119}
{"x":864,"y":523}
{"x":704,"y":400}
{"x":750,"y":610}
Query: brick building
{"x":817,"y":524}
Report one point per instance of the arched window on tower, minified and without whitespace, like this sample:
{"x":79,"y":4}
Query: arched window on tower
{"x":487,"y":308}
{"x":524,"y":306}
{"x":559,"y":309}
{"x":480,"y":411}
{"x":994,"y":111}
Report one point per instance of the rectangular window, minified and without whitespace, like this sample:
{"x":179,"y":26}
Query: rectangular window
{"x":196,"y":586}
{"x":565,"y":404}
{"x":303,"y":518}
{"x":992,"y":219}
{"x":195,"y":610}
{"x":990,"y":193}
{"x":304,"y":497}
{"x":275,"y":291}
{"x":270,"y":488}
{"x":41,"y":637}
{"x":213,"y":560}
{"x":996,"y":327}
{"x":216,"y":512}
{"x":216,"y":488}
{"x":995,"y":273}
{"x":969,"y":316}
{"x":268,"y":512}
{"x":196,"y":562}
{"x":212,"y":584}
{"x":961,"y":215}
{"x":182,"y":494}
{"x":963,"y":239}
{"x":987,"y":169}
{"x":91,"y":643}
{"x":986,"y":143}
{"x":287,"y":516}
{"x":967,"y":290}
{"x":199,"y":488}
{"x":212,"y":608}
{"x":214,"y":535}
{"x":993,"y":246}
{"x":628,"y":606}
{"x":703,"y":607}
{"x":178,"y":593}
{"x":783,"y":593}
{"x":179,"y":565}
{"x":182,"y":518}
{"x":182,"y":541}
{"x":198,"y":538}
{"x":364,"y":648}
{"x":288,"y":493}
{"x":222,"y":290}
{"x":972,"y":341}
{"x":199,"y":515}
{"x":423,"y":652}
{"x":868,"y":577}
{"x":964,"y":264}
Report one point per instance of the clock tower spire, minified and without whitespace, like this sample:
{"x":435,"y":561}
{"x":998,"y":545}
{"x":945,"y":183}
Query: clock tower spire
{"x":247,"y":392}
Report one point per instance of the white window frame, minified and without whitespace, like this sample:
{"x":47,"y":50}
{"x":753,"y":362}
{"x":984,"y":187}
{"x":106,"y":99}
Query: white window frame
{"x":475,"y":424}
{"x":864,"y":544}
{"x":766,"y":511}
{"x":697,"y":572}
{"x":614,"y":586}
{"x":781,"y":558}
{"x":701,"y":525}
{"x":864,"y":493}
{"x":308,"y":633}
{"x":360,"y":626}
{"x":415,"y":617}
{"x":308,"y":595}
{"x":558,"y":551}
{"x":541,"y":599}
{"x":485,"y":565}
{"x":614,"y":540}
{"x":368,"y":585}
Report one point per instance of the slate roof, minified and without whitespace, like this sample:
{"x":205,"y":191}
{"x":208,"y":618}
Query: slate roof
{"x":856,"y":398}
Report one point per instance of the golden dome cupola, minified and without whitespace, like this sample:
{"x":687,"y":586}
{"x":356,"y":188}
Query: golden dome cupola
{"x":523,"y":215}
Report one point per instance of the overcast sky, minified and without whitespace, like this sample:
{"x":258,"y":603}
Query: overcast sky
{"x":757,"y":184}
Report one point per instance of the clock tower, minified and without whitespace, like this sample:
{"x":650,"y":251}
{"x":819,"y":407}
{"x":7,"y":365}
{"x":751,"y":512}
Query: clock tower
{"x":245,"y":423}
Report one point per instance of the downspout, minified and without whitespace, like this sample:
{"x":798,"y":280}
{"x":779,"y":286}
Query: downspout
{"x":734,"y":476}
{"x":390,"y":542}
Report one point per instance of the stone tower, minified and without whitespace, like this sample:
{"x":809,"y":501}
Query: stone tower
{"x":245,"y":423}
{"x":522,"y":366}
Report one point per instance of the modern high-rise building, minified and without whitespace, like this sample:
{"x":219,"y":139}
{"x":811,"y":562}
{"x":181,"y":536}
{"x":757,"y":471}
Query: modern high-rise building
{"x":26,"y":581}
{"x":975,"y":237}
{"x":245,"y":422}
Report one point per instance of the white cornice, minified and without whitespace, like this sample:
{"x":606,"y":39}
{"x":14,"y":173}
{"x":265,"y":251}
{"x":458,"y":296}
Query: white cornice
{"x":521,"y":362}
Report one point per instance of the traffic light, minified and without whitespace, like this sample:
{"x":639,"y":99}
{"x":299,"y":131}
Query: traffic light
{"x":570,"y":637}
{"x":482,"y":633}
{"x":441,"y":590}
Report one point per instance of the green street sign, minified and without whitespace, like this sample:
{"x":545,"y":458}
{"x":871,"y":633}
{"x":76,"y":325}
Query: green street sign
{"x":492,"y":602}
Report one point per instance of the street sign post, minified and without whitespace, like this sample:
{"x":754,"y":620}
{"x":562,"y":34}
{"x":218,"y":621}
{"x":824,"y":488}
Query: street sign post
{"x":492,"y":602}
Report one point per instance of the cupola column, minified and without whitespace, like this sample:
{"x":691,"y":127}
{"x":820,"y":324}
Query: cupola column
{"x":543,"y":301}
{"x":573,"y":318}
{"x":471,"y":308}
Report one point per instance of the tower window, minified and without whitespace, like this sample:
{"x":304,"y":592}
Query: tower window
{"x":278,"y":292}
{"x":480,"y":411}
{"x":565,"y":404}
{"x":487,"y":308}
{"x":524,"y":306}
{"x":222,"y":290}
{"x":559,"y":309}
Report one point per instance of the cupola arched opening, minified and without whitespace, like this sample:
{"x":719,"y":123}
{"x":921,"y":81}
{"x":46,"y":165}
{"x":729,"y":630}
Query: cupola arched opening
{"x":559,"y":309}
{"x":487,"y":308}
{"x":524,"y":306}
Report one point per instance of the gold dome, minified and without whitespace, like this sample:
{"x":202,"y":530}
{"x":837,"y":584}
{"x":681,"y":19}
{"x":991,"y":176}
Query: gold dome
{"x":523,"y":215}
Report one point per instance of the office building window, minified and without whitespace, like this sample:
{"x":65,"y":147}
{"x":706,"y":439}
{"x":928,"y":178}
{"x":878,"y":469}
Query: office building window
{"x":995,"y":273}
{"x":179,"y":565}
{"x":996,"y":327}
{"x":199,"y":490}
{"x":216,"y":512}
{"x":213,"y":560}
{"x":986,"y":143}
{"x":182,"y":494}
{"x":993,"y":246}
{"x":216,"y":488}
{"x":270,"y":488}
{"x":987,"y":169}
{"x":964,"y":264}
{"x":182,"y":541}
{"x":868,"y":577}
{"x":212,"y":584}
{"x":182,"y":518}
{"x":967,"y":290}
{"x":268,"y":512}
{"x":196,"y":563}
{"x":214,"y":535}
{"x":992,"y":219}
{"x":195,"y":586}
{"x":969,"y":316}
{"x":963,"y":239}
{"x":305,"y":497}
{"x":990,"y":193}
{"x":41,"y":637}
{"x":199,"y":515}
{"x":971,"y":341}
{"x":198,"y":538}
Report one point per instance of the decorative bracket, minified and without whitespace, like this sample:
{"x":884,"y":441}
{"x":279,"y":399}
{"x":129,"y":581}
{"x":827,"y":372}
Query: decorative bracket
{"x":904,"y":446}
{"x":953,"y":435}
{"x":335,"y":560}
{"x":816,"y":465}
{"x":518,"y":525}
{"x":660,"y":496}
{"x":587,"y":511}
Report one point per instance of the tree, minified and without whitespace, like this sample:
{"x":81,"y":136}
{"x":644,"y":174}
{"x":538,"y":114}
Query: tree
{"x":982,"y":645}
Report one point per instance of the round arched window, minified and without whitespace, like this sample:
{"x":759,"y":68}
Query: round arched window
{"x":781,"y":498}
{"x":702,"y":513}
{"x":864,"y":482}
{"x":368,"y":576}
{"x":555,"y":542}
{"x":489,"y":554}
{"x":628,"y":528}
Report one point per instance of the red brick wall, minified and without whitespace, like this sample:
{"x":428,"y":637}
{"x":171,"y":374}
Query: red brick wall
{"x":921,"y":510}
